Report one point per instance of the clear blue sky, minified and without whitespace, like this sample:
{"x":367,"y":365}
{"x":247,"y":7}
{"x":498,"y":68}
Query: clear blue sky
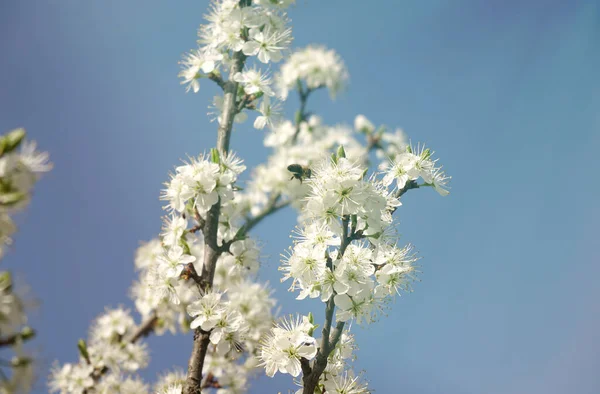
{"x":506,"y":92}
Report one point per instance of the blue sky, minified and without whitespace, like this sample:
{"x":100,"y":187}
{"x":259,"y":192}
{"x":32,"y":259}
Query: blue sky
{"x":506,"y":92}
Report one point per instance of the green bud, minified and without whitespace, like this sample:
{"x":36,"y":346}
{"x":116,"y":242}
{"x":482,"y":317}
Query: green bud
{"x":311,"y":318}
{"x":27,"y":333}
{"x":82,"y":347}
{"x":12,"y":198}
{"x":5,"y":279}
{"x":426,"y":154}
{"x":408,"y":149}
{"x":214,"y":156}
{"x":341,"y":152}
{"x":18,"y":362}
{"x":13,"y":139}
{"x":334,"y":158}
{"x":298,"y":117}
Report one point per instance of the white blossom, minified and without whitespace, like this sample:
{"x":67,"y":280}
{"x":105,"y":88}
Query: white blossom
{"x":317,"y":67}
{"x":286,"y":344}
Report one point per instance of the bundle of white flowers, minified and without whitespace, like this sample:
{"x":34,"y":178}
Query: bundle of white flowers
{"x":20,"y":167}
{"x":345,"y":183}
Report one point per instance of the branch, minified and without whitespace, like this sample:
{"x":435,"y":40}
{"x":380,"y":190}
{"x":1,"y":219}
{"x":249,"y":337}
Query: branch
{"x":409,"y":185}
{"x":212,"y":251}
{"x":305,"y":364}
{"x":328,"y":342}
{"x":337,"y":334}
{"x":13,"y":339}
{"x":217,"y":79}
{"x":145,"y":329}
{"x":301,"y":115}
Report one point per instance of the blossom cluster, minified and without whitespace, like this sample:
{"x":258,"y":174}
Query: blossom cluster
{"x":287,"y":343}
{"x":241,"y":30}
{"x":15,"y":332}
{"x":198,"y":275}
{"x":305,"y":144}
{"x":20,"y":167}
{"x":110,"y":347}
{"x":341,"y":200}
{"x":315,"y":65}
{"x":291,"y":342}
{"x":338,"y":377}
{"x":236,"y":312}
{"x":415,"y":163}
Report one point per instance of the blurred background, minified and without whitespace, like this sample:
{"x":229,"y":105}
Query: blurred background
{"x":506,"y":92}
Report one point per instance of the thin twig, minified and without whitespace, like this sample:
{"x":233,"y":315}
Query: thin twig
{"x":217,"y":79}
{"x":212,"y":251}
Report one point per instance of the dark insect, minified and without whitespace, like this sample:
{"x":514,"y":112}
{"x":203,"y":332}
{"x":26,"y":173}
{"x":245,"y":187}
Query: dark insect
{"x":299,"y":172}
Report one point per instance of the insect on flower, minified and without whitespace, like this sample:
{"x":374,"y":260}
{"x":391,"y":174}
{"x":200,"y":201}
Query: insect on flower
{"x":299,"y":172}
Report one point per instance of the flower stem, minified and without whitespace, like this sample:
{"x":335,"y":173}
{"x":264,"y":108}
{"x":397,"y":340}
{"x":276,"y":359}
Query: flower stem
{"x":328,"y":342}
{"x":212,"y":251}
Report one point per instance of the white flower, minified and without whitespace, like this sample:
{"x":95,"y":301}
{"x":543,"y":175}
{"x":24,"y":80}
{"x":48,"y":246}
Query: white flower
{"x":353,"y":274}
{"x":358,"y":307}
{"x":146,"y":255}
{"x":173,"y":229}
{"x":403,"y":169}
{"x":162,"y":285}
{"x":36,"y":162}
{"x":243,"y":255}
{"x":232,"y":164}
{"x":395,"y":269}
{"x":254,"y":81}
{"x":307,"y":263}
{"x":166,"y":381}
{"x":173,"y":389}
{"x":174,"y":259}
{"x":345,"y":384}
{"x":115,"y":322}
{"x":317,"y":67}
{"x":267,"y":44}
{"x":177,"y":193}
{"x":318,"y":234}
{"x":226,"y":331}
{"x":440,"y":181}
{"x":286,"y":344}
{"x":270,"y":114}
{"x":195,"y":62}
{"x":361,"y":123}
{"x":71,"y":379}
{"x":206,"y":311}
{"x":274,"y":3}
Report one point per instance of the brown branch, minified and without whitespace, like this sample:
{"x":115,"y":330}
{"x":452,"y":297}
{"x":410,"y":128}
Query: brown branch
{"x":189,"y":272}
{"x":212,"y":251}
{"x":273,"y":206}
{"x":217,"y":79}
{"x":144,"y":329}
{"x":14,"y":338}
{"x":305,"y":364}
{"x":310,"y":380}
